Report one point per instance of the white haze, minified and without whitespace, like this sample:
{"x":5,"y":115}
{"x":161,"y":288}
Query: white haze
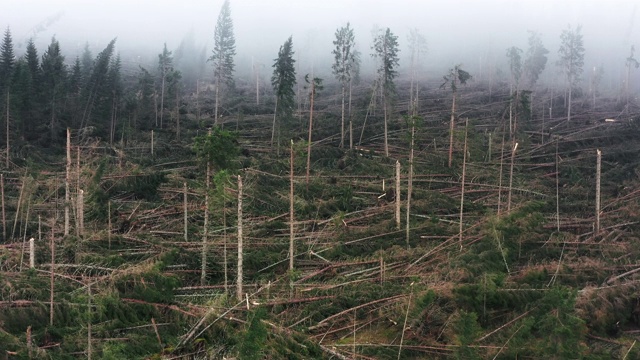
{"x":467,"y":31}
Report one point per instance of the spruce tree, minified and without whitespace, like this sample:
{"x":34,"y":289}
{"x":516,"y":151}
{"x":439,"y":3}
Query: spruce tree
{"x":7,"y":60}
{"x":536,"y":59}
{"x":283,"y":81}
{"x":54,"y":73}
{"x":165,"y":67}
{"x":385,"y":47}
{"x":455,"y":76}
{"x":96,"y":91}
{"x":343,"y":65}
{"x":224,"y":49}
{"x":571,"y":60}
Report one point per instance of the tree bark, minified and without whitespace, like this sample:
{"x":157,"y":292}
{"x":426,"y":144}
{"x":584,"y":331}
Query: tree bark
{"x":205,"y":231}
{"x":342,"y":124}
{"x":239,"y":279}
{"x":598,"y":167}
{"x":464,"y":174}
{"x":291,"y":218}
{"x":67,"y":195}
{"x":313,"y":90}
{"x":410,"y":181}
{"x":513,"y":156}
{"x":452,"y":127}
{"x":186,"y":212}
{"x":397,"y":213}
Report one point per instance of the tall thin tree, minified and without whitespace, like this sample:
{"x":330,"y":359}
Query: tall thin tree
{"x":571,"y":60}
{"x":283,"y":81}
{"x":224,"y":49}
{"x":343,"y":65}
{"x":385,"y":47}
{"x":455,"y":77}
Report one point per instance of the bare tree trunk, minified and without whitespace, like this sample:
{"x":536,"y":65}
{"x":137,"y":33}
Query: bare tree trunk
{"x":342,"y":126}
{"x":397,"y":194}
{"x":8,"y":157}
{"x":32,"y":253}
{"x":404,"y":326}
{"x":557,"y":190}
{"x":386,"y":114}
{"x":186,"y":212}
{"x":464,"y":174}
{"x":155,"y":104}
{"x":162,"y":100}
{"x":598,"y":167}
{"x":452,"y":127}
{"x":224,"y":250}
{"x":500,"y":175}
{"x":313,"y":90}
{"x":239,"y":279}
{"x":53,"y":263}
{"x":109,"y":222}
{"x":273,"y":127}
{"x":152,"y":139}
{"x":67,"y":195}
{"x":569,"y":104}
{"x":350,"y":118}
{"x":410,"y":181}
{"x":291,"y":218}
{"x":513,"y":156}
{"x":80,"y":210}
{"x":4,"y":213}
{"x":215,"y":116}
{"x":89,"y":349}
{"x":205,"y":231}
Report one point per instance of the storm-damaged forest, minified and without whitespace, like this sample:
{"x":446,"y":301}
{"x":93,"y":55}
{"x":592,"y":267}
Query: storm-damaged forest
{"x":200,"y":203}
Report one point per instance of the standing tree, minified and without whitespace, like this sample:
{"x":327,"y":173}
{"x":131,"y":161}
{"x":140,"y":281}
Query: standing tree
{"x":314,"y":85}
{"x":7,"y":64}
{"x":385,"y":47}
{"x":165,"y":67}
{"x":631,"y":62}
{"x":343,"y":65}
{"x":7,"y":60}
{"x":283,"y":80}
{"x":536,"y":59}
{"x":224,"y":49}
{"x":455,"y":76}
{"x":54,"y":76}
{"x":571,"y":59}
{"x":515,"y":69}
{"x":417,"y":47}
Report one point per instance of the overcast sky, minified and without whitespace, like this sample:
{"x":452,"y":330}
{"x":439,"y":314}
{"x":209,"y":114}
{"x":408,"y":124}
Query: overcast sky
{"x":453,"y":28}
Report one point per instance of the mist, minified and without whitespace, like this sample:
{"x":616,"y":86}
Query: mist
{"x":470,"y":32}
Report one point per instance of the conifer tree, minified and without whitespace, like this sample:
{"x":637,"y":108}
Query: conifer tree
{"x":515,"y":69}
{"x":283,"y":81}
{"x":224,"y":49}
{"x":54,"y":73}
{"x":96,"y":91}
{"x":455,"y":76}
{"x":571,"y":60}
{"x":7,"y":60}
{"x":343,"y":66}
{"x":165,"y":67}
{"x":385,"y":46}
{"x":536,"y":59}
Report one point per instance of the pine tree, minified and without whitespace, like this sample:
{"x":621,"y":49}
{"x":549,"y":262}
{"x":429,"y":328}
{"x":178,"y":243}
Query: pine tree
{"x":385,"y":47}
{"x":54,"y":73}
{"x":96,"y":92}
{"x":536,"y":59}
{"x":455,"y":76}
{"x":571,"y":59}
{"x":145,"y":96}
{"x":343,"y":66}
{"x":515,"y":69}
{"x":86,"y":63}
{"x":7,"y":60}
{"x":283,"y":81}
{"x":165,"y":67}
{"x":224,"y":49}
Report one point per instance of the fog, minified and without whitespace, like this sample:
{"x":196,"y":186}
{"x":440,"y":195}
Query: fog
{"x":459,"y":31}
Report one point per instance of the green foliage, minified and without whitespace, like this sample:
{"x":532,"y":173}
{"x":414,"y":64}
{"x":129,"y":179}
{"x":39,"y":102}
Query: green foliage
{"x":251,"y":346}
{"x":219,"y":147}
{"x":224,"y":46}
{"x":571,"y":54}
{"x":515,"y":64}
{"x":385,"y":46}
{"x":536,"y":59}
{"x":344,"y":55}
{"x":283,"y":80}
{"x":466,"y":330}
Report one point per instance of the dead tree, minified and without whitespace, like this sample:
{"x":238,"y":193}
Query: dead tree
{"x":239,"y":279}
